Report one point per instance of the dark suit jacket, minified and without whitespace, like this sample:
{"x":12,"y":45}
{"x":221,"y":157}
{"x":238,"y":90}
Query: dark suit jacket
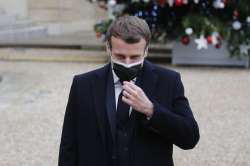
{"x":91,"y":104}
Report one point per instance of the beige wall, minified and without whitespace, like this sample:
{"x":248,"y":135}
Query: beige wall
{"x":52,"y":10}
{"x":60,"y":10}
{"x":16,"y":8}
{"x":58,"y":16}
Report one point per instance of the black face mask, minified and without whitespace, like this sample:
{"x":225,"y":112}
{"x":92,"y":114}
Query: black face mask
{"x":126,"y":72}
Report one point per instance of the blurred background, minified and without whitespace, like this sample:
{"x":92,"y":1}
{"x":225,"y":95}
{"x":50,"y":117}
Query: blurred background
{"x":44,"y":43}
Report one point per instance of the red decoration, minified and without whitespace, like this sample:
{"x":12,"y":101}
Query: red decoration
{"x":236,"y":13}
{"x":185,"y":40}
{"x":218,"y":45}
{"x":209,"y":39}
{"x":178,"y":3}
{"x":161,"y":2}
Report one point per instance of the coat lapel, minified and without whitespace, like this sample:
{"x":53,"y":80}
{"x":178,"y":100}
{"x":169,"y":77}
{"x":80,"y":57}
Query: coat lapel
{"x":110,"y":103}
{"x":148,"y":80}
{"x":99,"y":94}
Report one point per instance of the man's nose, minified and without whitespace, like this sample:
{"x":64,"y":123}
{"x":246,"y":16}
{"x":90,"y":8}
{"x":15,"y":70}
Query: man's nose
{"x":127,"y":61}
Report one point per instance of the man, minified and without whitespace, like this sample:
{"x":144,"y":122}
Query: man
{"x":129,"y":112}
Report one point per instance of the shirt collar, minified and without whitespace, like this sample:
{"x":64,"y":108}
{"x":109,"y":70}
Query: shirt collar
{"x":115,"y":77}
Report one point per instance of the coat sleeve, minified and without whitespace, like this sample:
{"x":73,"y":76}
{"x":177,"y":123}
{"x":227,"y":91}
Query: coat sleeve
{"x":68,"y":145}
{"x":177,"y":125}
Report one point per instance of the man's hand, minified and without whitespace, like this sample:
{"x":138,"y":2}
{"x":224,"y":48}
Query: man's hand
{"x":135,"y":97}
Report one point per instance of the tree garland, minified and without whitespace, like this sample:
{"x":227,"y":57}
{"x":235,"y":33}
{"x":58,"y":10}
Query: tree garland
{"x":211,"y":22}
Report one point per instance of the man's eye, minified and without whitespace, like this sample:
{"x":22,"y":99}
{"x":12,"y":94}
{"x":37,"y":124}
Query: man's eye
{"x":135,"y":57}
{"x":119,"y":56}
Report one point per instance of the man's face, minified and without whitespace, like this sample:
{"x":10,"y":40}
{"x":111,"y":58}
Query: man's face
{"x":127,"y":53}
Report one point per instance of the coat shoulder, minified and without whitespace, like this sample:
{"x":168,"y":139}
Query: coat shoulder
{"x":165,"y":72}
{"x":91,"y":74}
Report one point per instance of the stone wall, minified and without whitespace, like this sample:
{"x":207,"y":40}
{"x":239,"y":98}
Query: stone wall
{"x":60,"y":10}
{"x":53,"y":16}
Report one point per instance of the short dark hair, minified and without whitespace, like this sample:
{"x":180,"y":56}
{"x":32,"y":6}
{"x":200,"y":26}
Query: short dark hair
{"x":131,"y":29}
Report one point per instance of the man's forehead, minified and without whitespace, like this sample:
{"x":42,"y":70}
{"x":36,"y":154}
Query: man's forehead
{"x":119,"y":41}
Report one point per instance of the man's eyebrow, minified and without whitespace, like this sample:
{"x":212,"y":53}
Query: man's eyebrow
{"x":136,"y":55}
{"x":119,"y":54}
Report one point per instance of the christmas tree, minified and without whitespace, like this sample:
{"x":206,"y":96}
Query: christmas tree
{"x":208,"y":22}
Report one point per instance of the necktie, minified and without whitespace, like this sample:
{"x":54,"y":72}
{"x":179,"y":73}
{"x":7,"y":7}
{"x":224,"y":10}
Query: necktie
{"x":122,"y":112}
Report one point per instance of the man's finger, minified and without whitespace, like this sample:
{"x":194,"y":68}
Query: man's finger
{"x":129,"y":90}
{"x":127,"y":95}
{"x":126,"y":100}
{"x":131,"y":85}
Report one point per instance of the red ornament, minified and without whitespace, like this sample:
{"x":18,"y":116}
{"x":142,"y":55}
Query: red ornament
{"x":218,"y":45}
{"x":209,"y":39}
{"x":161,"y":2}
{"x":178,"y":3}
{"x":185,"y":40}
{"x":236,"y":13}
